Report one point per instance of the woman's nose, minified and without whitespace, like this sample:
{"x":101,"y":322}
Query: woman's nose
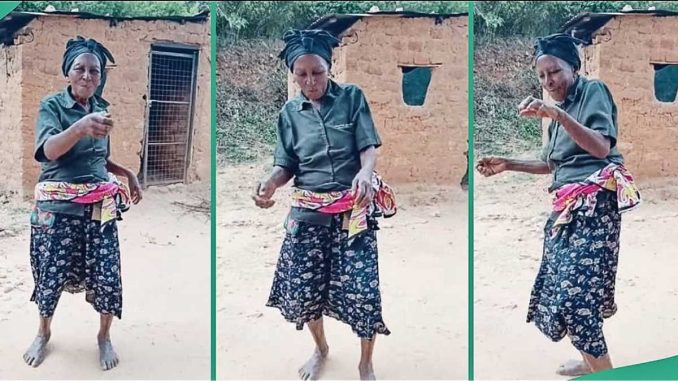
{"x":549,"y":81}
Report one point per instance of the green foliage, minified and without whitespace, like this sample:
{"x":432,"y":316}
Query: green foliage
{"x":121,"y":8}
{"x":502,"y":79}
{"x":270,"y":19}
{"x":530,"y":19}
{"x":251,"y":90}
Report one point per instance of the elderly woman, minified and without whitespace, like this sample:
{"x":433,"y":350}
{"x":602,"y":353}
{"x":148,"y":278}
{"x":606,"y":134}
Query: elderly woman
{"x":74,"y":238}
{"x":574,"y":289}
{"x":328,"y":262}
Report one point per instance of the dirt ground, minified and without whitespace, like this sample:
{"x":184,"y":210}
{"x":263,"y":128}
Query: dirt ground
{"x":165,"y":328}
{"x":423,"y":271}
{"x":510,"y":212}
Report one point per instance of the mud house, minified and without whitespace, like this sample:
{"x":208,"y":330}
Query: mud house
{"x":159,"y":90}
{"x":413,"y":68}
{"x":636,"y":54}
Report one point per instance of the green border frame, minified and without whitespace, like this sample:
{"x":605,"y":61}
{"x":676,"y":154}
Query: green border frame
{"x":213,"y":190}
{"x":663,"y":369}
{"x":471,"y":187}
{"x":7,"y":6}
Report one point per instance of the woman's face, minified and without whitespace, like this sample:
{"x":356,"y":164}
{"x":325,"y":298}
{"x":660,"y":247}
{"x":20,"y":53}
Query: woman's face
{"x":555,"y":76}
{"x":84,"y":76}
{"x":311,"y":73}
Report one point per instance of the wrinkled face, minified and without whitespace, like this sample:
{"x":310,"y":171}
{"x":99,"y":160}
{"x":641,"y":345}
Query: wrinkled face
{"x":555,"y":76}
{"x":85,"y":75}
{"x":311,"y":72}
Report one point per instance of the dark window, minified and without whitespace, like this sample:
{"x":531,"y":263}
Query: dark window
{"x":415,"y":84}
{"x":665,"y":82}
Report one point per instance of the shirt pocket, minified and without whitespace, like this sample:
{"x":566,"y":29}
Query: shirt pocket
{"x":341,"y":135}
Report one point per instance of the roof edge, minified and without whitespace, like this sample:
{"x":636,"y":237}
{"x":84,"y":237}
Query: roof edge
{"x":585,"y":24}
{"x":340,"y":22}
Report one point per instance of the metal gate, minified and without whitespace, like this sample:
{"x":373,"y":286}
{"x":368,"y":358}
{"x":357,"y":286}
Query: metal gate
{"x":169,"y":118}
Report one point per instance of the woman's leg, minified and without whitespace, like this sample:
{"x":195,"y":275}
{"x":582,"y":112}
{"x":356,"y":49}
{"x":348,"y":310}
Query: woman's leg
{"x":38,"y":349}
{"x":588,"y":364}
{"x":104,"y":284}
{"x":53,"y":244}
{"x":312,"y":368}
{"x":107,"y":356}
{"x":365,"y":367}
{"x":598,"y":364}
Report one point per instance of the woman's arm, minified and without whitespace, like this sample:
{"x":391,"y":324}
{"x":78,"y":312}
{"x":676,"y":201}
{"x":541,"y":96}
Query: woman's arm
{"x":96,"y":125}
{"x":536,"y":167}
{"x":265,"y":189}
{"x":57,"y":145}
{"x":279,"y":176}
{"x":132,"y":180}
{"x":589,"y":140}
{"x":362,"y":182}
{"x":490,"y":166}
{"x":368,"y":160}
{"x":117,"y":169}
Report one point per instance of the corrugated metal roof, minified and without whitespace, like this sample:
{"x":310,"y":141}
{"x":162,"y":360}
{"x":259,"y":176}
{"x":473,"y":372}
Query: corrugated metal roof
{"x":337,"y":23}
{"x":17,"y":20}
{"x":584,"y":25}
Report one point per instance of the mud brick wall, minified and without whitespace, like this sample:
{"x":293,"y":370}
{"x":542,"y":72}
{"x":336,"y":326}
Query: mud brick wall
{"x":10,"y":119}
{"x":621,"y":55}
{"x":126,"y":86}
{"x":423,"y":144}
{"x":624,"y":50}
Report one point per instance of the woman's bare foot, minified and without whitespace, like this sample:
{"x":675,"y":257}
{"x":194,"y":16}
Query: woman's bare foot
{"x":107,"y":356}
{"x":573,"y":368}
{"x":312,"y":368}
{"x":366,"y":372}
{"x":37,"y":351}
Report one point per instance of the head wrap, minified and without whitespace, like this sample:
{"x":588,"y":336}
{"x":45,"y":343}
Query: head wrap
{"x":312,"y":41}
{"x":559,"y":45}
{"x":80,"y":45}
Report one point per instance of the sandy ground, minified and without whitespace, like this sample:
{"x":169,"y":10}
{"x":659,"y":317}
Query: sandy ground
{"x":165,"y":328}
{"x":423,"y":270}
{"x":510,"y":211}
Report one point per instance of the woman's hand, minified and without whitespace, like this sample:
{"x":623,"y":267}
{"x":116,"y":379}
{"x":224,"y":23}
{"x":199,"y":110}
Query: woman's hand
{"x":532,"y":107}
{"x":263,"y":192}
{"x":362,"y":189}
{"x":490,"y":166}
{"x":97,"y":125}
{"x":134,"y":187}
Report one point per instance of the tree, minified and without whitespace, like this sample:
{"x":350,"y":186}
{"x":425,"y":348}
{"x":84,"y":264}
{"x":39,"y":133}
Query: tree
{"x":267,"y":19}
{"x":120,"y":8}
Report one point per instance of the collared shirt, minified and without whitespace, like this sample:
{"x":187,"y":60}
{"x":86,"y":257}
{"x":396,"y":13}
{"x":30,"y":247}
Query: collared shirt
{"x":591,"y":104}
{"x":85,"y":162}
{"x":321,"y":148}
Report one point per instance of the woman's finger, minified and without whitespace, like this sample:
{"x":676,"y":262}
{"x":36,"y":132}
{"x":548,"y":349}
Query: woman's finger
{"x":360,"y":193}
{"x":527,"y":113}
{"x":535,"y":104}
{"x":257,"y":188}
{"x":525,"y":102}
{"x":354,"y":187}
